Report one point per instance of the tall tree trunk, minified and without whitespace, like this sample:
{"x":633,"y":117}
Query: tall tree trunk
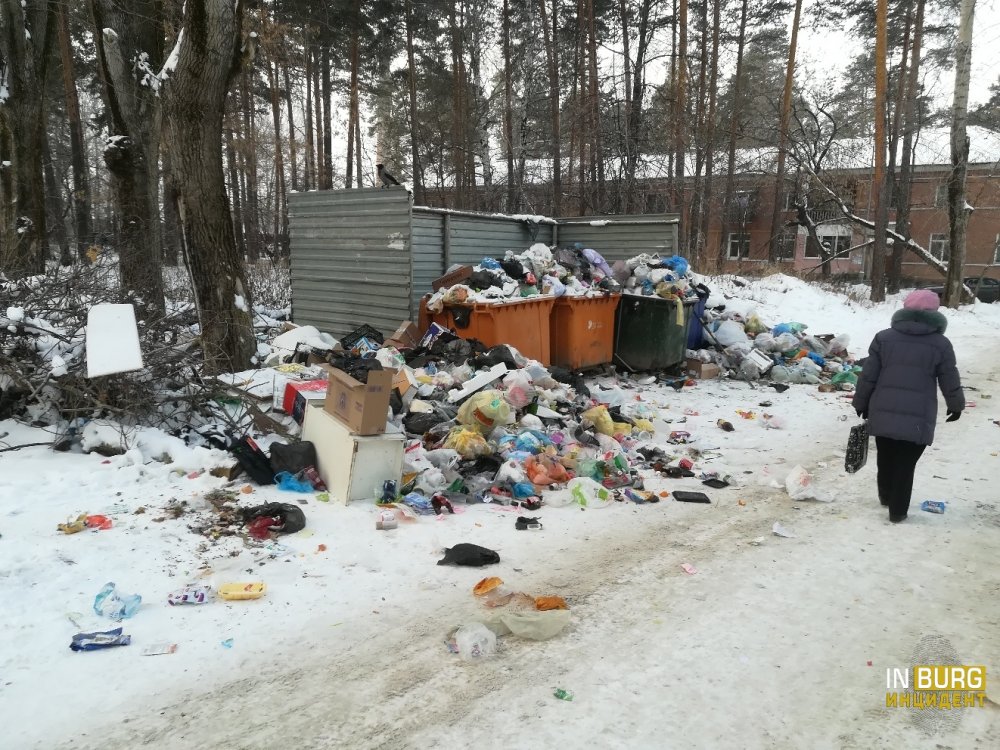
{"x":54,"y":208}
{"x":508,"y":110}
{"x":357,"y":148}
{"x":910,"y":126}
{"x":132,"y":153}
{"x":235,"y":190}
{"x":209,"y":57}
{"x":309,"y":178}
{"x":171,"y":220}
{"x":734,"y":120}
{"x":634,"y":105}
{"x":418,"y":183}
{"x":878,"y":180}
{"x":23,"y":246}
{"x":958,"y":208}
{"x":457,"y":113}
{"x":706,"y":208}
{"x":352,"y":117}
{"x":893,"y":277}
{"x":628,"y":188}
{"x":680,"y":115}
{"x":326,"y":179}
{"x":251,"y":207}
{"x":81,"y":178}
{"x":552,"y":57}
{"x":785,"y":116}
{"x":597,"y":144}
{"x":695,"y":239}
{"x":280,"y":221}
{"x":292,"y":144}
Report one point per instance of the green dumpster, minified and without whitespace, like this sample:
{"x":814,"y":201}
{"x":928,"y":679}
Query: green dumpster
{"x":651,"y":332}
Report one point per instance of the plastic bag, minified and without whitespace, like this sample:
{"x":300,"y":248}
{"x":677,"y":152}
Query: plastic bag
{"x":114,"y":605}
{"x":798,"y":484}
{"x":520,"y":391}
{"x":838,"y":345}
{"x":533,"y":625}
{"x":764,"y":342}
{"x":484,"y":411}
{"x":475,"y":641}
{"x":730,"y":332}
{"x":468,"y":443}
{"x":589,"y":494}
{"x":755,"y":325}
{"x":543,"y":470}
{"x":601,"y":420}
{"x":785,"y":342}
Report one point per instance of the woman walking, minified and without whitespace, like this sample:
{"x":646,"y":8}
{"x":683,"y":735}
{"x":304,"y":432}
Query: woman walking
{"x":897,"y":393}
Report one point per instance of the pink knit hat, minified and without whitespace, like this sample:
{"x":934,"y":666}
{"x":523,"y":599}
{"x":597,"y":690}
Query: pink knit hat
{"x":922,"y":299}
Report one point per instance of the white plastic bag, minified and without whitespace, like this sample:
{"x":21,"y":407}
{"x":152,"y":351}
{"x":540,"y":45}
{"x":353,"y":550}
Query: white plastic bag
{"x":475,"y":641}
{"x":729,"y":332}
{"x":798,"y":484}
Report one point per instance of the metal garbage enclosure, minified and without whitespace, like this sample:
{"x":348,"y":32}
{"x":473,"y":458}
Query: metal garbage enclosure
{"x":368,"y":255}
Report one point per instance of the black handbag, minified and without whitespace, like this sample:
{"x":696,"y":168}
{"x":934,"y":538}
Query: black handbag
{"x":857,"y":448}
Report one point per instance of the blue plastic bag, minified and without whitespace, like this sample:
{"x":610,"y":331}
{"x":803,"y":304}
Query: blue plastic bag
{"x":818,"y":359}
{"x":291,"y":483}
{"x":677,"y":264}
{"x":491,"y":264}
{"x":112,"y":604}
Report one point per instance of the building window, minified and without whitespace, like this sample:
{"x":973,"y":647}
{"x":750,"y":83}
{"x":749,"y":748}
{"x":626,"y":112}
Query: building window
{"x":837,"y":239}
{"x":996,"y":250}
{"x":739,"y":245}
{"x":786,"y":244}
{"x":938,"y":246}
{"x":941,"y":196}
{"x":790,"y":196}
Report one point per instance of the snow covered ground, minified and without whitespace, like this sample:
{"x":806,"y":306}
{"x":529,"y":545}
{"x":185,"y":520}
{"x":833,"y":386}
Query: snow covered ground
{"x":773,"y":642}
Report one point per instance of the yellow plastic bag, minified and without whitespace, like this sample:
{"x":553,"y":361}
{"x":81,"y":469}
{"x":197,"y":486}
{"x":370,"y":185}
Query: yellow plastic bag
{"x":484,"y":411}
{"x":754,"y":325}
{"x":468,"y":443}
{"x":601,"y":420}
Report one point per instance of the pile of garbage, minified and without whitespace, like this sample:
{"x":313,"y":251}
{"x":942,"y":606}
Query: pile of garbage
{"x":540,"y":270}
{"x":784,"y":353}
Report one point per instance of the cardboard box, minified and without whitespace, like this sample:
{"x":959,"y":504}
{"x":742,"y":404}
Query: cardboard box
{"x":404,"y":380}
{"x":364,"y":407}
{"x":451,"y":278}
{"x":294,"y":387}
{"x":407,"y":336}
{"x":702,"y":370}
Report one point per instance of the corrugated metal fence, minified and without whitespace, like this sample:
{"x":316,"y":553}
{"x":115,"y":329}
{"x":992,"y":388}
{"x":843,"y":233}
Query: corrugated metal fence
{"x":350,"y":258}
{"x":366,"y":256}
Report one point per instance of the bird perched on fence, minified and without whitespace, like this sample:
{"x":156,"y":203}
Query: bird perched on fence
{"x":386,"y":177}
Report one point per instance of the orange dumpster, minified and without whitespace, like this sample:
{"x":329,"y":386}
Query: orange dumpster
{"x":523,"y":324}
{"x":583,"y":331}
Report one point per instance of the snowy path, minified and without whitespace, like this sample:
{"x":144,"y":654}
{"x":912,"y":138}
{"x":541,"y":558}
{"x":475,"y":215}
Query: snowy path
{"x":766,"y":646}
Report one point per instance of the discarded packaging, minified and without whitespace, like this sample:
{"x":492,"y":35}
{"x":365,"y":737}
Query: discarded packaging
{"x":100,"y":639}
{"x":933,"y":506}
{"x":242,"y":591}
{"x":779,"y":530}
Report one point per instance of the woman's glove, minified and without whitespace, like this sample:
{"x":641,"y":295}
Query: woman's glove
{"x":953,"y":416}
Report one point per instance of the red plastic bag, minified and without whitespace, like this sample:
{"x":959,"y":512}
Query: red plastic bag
{"x":260,"y":527}
{"x":98,"y":522}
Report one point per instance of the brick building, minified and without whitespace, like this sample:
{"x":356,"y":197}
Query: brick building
{"x":749,"y":222}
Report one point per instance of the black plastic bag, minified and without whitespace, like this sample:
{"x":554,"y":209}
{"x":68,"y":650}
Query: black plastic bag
{"x":480,"y":280}
{"x":471,"y":555}
{"x":513,"y":268}
{"x":291,"y":517}
{"x":253,"y":460}
{"x":857,"y":448}
{"x":292,"y":458}
{"x":494,"y":356}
